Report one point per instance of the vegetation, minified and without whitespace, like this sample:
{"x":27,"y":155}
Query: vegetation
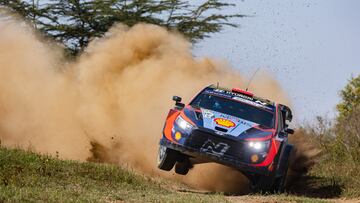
{"x":350,"y":98}
{"x":25,"y":176}
{"x":75,"y":22}
{"x":340,"y":142}
{"x":28,"y":177}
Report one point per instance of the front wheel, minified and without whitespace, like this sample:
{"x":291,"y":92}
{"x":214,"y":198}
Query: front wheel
{"x":166,"y":158}
{"x":182,"y":168}
{"x":279,"y":185}
{"x":273,"y":183}
{"x":261,"y":183}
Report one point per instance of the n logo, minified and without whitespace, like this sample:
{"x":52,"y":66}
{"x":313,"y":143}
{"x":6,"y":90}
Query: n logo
{"x":216,"y":149}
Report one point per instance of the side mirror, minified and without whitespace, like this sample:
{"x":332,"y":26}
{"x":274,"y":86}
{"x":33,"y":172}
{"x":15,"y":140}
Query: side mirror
{"x":287,"y":114}
{"x":289,"y":131}
{"x":178,"y":103}
{"x":282,"y":134}
{"x":176,"y":99}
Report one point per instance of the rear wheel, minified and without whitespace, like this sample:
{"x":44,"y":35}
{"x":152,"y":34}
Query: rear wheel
{"x":166,"y":158}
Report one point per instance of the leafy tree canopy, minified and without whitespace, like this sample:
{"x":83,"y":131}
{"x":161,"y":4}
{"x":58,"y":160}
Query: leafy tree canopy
{"x":350,"y":96}
{"x":75,"y":22}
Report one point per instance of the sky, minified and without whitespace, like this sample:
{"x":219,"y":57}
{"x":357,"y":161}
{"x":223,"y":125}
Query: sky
{"x":311,"y":47}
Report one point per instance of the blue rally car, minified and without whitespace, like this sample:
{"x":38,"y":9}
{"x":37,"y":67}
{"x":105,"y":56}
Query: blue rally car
{"x":231,"y":127}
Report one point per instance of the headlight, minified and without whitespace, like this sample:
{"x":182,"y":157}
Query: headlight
{"x":184,"y":125}
{"x":259,"y":145}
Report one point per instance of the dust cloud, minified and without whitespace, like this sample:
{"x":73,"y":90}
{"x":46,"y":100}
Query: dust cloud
{"x":305,"y":155}
{"x":109,"y":104}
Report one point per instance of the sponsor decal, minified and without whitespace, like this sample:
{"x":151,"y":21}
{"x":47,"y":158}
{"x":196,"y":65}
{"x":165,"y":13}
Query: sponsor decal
{"x":256,"y":103}
{"x":224,"y":122}
{"x":218,"y":149}
{"x":242,"y":122}
{"x":260,"y":102}
{"x":225,"y":116}
{"x":219,"y":133}
{"x":207,"y":113}
{"x":222,"y":94}
{"x":233,"y":94}
{"x":239,"y":97}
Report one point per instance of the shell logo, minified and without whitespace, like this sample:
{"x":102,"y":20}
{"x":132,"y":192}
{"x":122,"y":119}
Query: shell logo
{"x":224,"y":122}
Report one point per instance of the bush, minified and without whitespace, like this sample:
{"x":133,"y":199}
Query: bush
{"x":340,"y":146}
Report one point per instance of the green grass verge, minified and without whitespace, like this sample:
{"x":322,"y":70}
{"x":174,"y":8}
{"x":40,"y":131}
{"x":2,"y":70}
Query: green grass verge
{"x":28,"y":177}
{"x":278,"y":198}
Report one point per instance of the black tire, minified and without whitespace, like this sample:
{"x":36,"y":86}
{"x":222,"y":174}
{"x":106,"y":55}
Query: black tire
{"x":261,"y":184}
{"x":182,"y":168}
{"x":166,"y":158}
{"x":279,"y":185}
{"x":270,"y":184}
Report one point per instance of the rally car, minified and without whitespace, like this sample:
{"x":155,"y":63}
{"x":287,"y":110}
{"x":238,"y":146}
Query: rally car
{"x":231,"y":127}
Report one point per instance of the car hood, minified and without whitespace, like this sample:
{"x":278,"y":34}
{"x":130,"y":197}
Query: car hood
{"x":224,"y":124}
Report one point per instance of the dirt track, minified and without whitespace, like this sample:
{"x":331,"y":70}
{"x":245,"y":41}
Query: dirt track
{"x":304,"y":189}
{"x":274,"y":199}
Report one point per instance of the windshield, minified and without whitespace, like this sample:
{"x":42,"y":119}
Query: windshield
{"x":235,"y":108}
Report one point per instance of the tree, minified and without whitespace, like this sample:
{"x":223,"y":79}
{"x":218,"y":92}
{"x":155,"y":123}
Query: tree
{"x":350,"y":96}
{"x":75,"y":22}
{"x":347,"y":128}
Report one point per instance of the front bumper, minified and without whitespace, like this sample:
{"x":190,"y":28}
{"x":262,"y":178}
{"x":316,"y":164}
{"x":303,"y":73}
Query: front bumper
{"x":212,"y":153}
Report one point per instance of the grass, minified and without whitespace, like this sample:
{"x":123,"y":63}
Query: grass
{"x":278,"y":198}
{"x":29,"y":177}
{"x":344,"y":174}
{"x":339,"y":160}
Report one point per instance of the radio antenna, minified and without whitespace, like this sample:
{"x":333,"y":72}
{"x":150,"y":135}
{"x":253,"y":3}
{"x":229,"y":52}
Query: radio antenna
{"x":252,"y":77}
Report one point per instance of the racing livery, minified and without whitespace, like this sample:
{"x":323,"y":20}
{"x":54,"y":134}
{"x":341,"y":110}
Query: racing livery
{"x":231,"y":127}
